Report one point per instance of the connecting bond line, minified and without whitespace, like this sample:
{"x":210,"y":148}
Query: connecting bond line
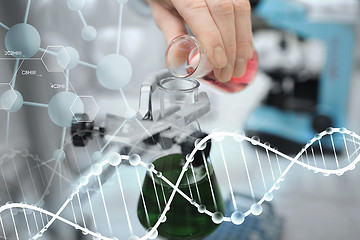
{"x":4,"y":26}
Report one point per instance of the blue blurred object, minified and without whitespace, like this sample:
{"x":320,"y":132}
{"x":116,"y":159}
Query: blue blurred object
{"x":282,"y":126}
{"x":267,"y":226}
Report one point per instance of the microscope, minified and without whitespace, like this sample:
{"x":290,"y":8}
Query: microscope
{"x":291,"y":114}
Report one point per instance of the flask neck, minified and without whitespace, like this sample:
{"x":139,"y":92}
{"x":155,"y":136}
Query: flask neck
{"x":185,"y":58}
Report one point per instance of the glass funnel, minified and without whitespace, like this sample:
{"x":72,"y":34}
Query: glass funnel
{"x":185,"y":219}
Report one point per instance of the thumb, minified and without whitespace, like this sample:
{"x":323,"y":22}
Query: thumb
{"x":169,"y":22}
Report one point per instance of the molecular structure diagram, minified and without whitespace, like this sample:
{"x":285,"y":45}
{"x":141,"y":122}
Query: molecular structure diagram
{"x":23,"y":41}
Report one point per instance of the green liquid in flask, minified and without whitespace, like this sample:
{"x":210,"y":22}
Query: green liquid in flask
{"x":183,"y":220}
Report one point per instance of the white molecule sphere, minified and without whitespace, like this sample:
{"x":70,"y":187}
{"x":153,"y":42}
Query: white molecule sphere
{"x":317,"y":137}
{"x":150,"y":167}
{"x":239,"y":136}
{"x":24,"y":153}
{"x":237,"y":218}
{"x":268,"y":196}
{"x":68,"y":58}
{"x":84,"y":181}
{"x":22,"y":39}
{"x":163,"y":219}
{"x":217,"y":217}
{"x":98,"y":237}
{"x":75,"y":5}
{"x":130,"y":114}
{"x":343,"y":130}
{"x":189,"y":158}
{"x":256,"y":209}
{"x":217,"y":136}
{"x":19,"y":101}
{"x":11,"y":153}
{"x":114,"y":71}
{"x":29,"y":211}
{"x":15,"y":211}
{"x":201,"y":208}
{"x":11,"y":100}
{"x":59,"y":155}
{"x":330,"y":130}
{"x":96,"y":169}
{"x":62,"y":106}
{"x":134,"y":159}
{"x":154,"y":235}
{"x":202,"y":147}
{"x":76,"y":190}
{"x":88,"y":33}
{"x":255,"y":140}
{"x":114,"y":158}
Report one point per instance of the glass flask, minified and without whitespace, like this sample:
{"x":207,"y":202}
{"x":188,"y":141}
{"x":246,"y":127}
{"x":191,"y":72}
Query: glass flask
{"x":185,"y":58}
{"x":183,"y":220}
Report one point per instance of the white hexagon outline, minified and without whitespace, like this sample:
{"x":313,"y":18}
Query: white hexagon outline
{"x":46,"y":50}
{"x":96,"y":105}
{"x":11,"y":88}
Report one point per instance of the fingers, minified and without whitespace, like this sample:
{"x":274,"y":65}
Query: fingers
{"x":196,"y":14}
{"x":223,"y":28}
{"x":169,"y":22}
{"x":244,"y":48}
{"x":222,"y":13}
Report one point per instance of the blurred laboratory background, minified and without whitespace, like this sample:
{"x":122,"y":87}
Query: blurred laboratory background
{"x":308,"y":80}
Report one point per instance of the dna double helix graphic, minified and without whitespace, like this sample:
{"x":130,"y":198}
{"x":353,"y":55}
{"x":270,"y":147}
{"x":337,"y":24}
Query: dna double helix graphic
{"x":332,"y":152}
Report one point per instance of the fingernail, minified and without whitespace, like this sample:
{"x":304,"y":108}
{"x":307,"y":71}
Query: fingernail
{"x":220,"y":57}
{"x":226,"y":73}
{"x":240,"y":68}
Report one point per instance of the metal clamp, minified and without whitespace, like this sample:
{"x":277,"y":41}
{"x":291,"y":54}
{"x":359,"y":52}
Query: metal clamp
{"x":146,"y":90}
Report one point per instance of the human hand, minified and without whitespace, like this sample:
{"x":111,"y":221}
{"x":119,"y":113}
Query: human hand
{"x":223,"y":28}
